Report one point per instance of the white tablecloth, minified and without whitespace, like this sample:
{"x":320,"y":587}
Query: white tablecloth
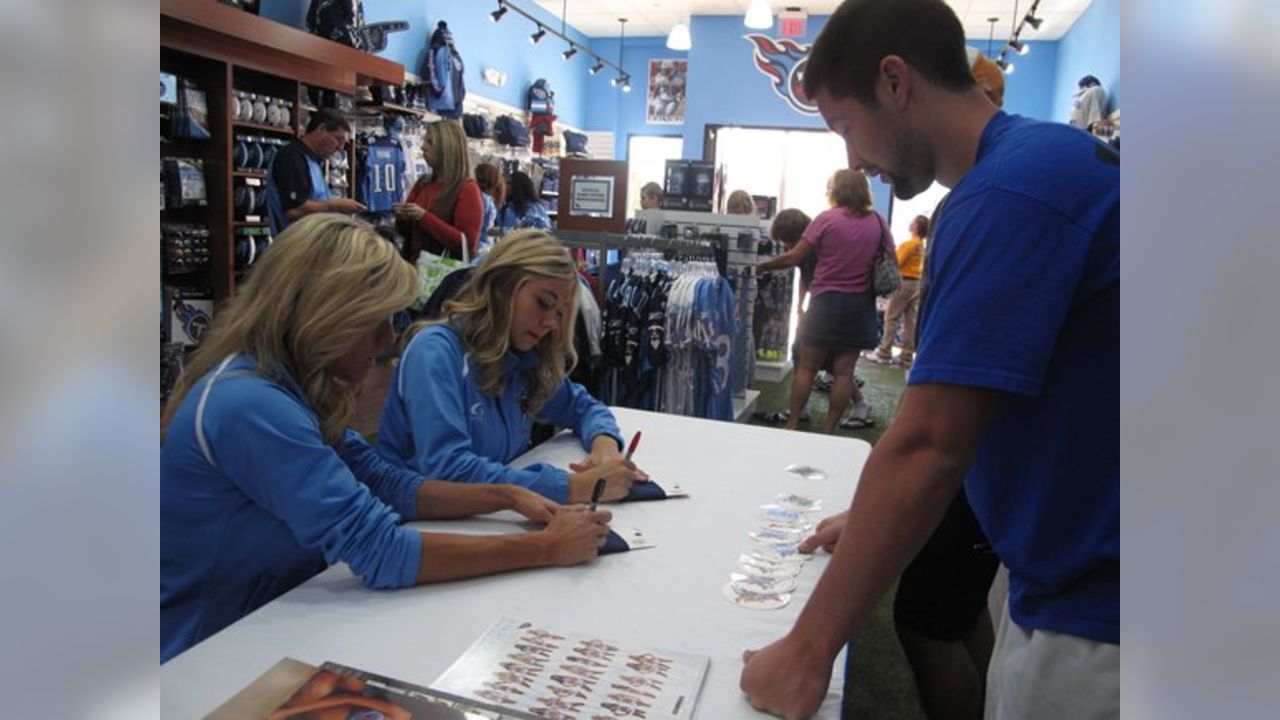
{"x":667,"y":596}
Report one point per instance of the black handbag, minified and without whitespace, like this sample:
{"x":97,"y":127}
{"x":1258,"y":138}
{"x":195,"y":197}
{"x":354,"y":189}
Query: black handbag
{"x":885,"y":277}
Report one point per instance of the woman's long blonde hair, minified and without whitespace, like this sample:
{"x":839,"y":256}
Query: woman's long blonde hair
{"x":453,"y":164}
{"x":482,"y":314}
{"x":326,"y":281}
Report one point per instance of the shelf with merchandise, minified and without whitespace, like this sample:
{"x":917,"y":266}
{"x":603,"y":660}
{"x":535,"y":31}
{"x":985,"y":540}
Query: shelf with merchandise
{"x":380,"y":108}
{"x":242,"y":125}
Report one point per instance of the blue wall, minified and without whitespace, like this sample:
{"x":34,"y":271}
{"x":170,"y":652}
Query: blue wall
{"x":622,"y":113}
{"x":1029,"y":89}
{"x":483,"y":43}
{"x":726,"y":88}
{"x":1091,"y":47}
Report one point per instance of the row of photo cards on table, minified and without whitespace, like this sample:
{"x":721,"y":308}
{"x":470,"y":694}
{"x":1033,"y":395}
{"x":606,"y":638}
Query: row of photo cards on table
{"x":515,"y":670}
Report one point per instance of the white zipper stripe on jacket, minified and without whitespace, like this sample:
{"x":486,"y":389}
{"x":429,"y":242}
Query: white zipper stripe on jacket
{"x":400,"y":370}
{"x":204,"y":398}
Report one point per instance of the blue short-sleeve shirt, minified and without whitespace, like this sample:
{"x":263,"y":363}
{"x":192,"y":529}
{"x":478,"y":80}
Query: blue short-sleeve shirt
{"x":1022,"y":295}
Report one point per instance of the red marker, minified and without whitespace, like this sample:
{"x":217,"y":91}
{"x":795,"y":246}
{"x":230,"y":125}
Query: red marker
{"x":631,"y":449}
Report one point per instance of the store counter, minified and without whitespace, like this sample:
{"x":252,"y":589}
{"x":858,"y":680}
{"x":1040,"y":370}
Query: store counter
{"x":668,"y":596}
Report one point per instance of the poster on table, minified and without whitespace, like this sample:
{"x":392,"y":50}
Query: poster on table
{"x":526,"y":667}
{"x":666,"y":95}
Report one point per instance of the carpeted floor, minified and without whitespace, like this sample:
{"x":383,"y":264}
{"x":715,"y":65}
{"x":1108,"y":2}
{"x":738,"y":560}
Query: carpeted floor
{"x":878,"y":683}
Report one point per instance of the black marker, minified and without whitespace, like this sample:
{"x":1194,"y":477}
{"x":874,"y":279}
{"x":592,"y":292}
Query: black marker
{"x":596,"y":492}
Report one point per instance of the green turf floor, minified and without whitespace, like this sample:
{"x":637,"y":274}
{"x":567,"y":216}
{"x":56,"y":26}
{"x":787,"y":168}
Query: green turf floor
{"x":879,"y":683}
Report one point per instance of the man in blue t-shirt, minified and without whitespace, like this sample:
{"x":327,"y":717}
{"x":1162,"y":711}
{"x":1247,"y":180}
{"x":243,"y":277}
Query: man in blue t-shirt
{"x":1015,"y":389}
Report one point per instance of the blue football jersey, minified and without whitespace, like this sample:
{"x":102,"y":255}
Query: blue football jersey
{"x":382,"y":177}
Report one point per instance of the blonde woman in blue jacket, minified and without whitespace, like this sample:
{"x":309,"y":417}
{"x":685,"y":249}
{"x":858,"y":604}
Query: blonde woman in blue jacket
{"x":263,"y":485}
{"x":468,"y":389}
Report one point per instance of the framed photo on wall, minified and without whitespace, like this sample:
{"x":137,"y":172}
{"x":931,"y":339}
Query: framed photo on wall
{"x":666,"y":93}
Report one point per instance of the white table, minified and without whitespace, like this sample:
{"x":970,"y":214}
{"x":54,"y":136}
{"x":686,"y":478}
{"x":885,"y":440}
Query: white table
{"x":666,"y":597}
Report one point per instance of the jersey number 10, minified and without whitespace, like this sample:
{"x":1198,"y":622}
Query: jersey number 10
{"x":385,"y":180}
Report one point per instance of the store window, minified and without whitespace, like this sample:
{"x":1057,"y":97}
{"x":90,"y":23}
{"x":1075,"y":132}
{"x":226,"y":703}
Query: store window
{"x":647,"y":157}
{"x":797,"y":176}
{"x":904,"y":211}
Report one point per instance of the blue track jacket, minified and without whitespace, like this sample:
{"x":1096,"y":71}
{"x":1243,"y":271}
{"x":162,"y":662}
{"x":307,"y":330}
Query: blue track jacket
{"x":253,"y":502}
{"x":438,"y":423}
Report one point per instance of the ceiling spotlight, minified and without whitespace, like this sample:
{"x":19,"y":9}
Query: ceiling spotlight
{"x":570,"y":52}
{"x":1005,"y":65}
{"x":496,"y":15}
{"x":537,"y":37}
{"x":616,"y":81}
{"x":1033,"y":21}
{"x":1019,"y":47}
{"x":597,"y":67}
{"x":626,"y":83}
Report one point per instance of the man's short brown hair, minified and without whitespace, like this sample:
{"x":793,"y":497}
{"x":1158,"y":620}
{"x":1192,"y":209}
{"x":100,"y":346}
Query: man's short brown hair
{"x":845,"y":58}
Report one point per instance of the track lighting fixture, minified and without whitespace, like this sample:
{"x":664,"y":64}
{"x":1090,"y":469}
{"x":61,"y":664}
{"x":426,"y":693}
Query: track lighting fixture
{"x":1019,"y":47}
{"x":623,"y":80}
{"x":1033,"y":21}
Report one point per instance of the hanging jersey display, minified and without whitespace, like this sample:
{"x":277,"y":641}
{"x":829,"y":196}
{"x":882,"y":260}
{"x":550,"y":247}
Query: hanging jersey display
{"x":668,"y":332}
{"x":382,"y":174}
{"x":443,"y":71}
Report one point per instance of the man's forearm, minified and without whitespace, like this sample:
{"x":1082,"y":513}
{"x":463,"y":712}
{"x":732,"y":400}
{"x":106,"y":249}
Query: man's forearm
{"x":904,"y":491}
{"x":307,"y":208}
{"x":440,"y":499}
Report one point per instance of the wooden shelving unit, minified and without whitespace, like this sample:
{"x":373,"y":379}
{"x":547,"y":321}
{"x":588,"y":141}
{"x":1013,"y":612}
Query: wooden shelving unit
{"x":223,"y":49}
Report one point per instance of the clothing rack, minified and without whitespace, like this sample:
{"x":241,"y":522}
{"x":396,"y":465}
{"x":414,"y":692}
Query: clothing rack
{"x":710,"y":246}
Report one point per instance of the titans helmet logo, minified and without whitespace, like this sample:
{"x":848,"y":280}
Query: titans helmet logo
{"x":783,"y":62}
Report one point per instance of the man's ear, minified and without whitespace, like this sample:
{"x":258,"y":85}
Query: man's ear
{"x":893,"y":83}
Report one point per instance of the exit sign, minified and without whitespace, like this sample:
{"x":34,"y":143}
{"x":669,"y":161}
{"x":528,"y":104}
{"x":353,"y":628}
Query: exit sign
{"x":793,"y":22}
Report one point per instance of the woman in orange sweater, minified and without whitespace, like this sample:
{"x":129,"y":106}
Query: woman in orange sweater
{"x":440,"y":212}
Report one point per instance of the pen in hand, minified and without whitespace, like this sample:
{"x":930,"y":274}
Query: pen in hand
{"x":596,"y":492}
{"x":635,"y":441}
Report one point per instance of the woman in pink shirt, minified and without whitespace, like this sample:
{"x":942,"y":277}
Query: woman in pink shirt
{"x":841,"y":320}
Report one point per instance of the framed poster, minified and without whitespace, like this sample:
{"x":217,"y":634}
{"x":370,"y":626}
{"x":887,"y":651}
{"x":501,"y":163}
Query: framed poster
{"x":666,"y":95}
{"x":591,"y":196}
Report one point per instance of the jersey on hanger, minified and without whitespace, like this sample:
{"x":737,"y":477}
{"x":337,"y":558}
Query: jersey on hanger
{"x":382,"y":177}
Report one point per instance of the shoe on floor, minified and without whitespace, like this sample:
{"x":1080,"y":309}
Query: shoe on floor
{"x":875,"y":357}
{"x":823,"y":381}
{"x":858,"y":419}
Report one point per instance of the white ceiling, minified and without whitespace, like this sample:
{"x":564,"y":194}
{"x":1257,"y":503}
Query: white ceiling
{"x":599,"y":18}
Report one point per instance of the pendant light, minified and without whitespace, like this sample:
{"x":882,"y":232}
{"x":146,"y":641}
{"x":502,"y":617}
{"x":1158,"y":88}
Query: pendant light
{"x":679,"y":39}
{"x":623,"y":80}
{"x":759,"y":15}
